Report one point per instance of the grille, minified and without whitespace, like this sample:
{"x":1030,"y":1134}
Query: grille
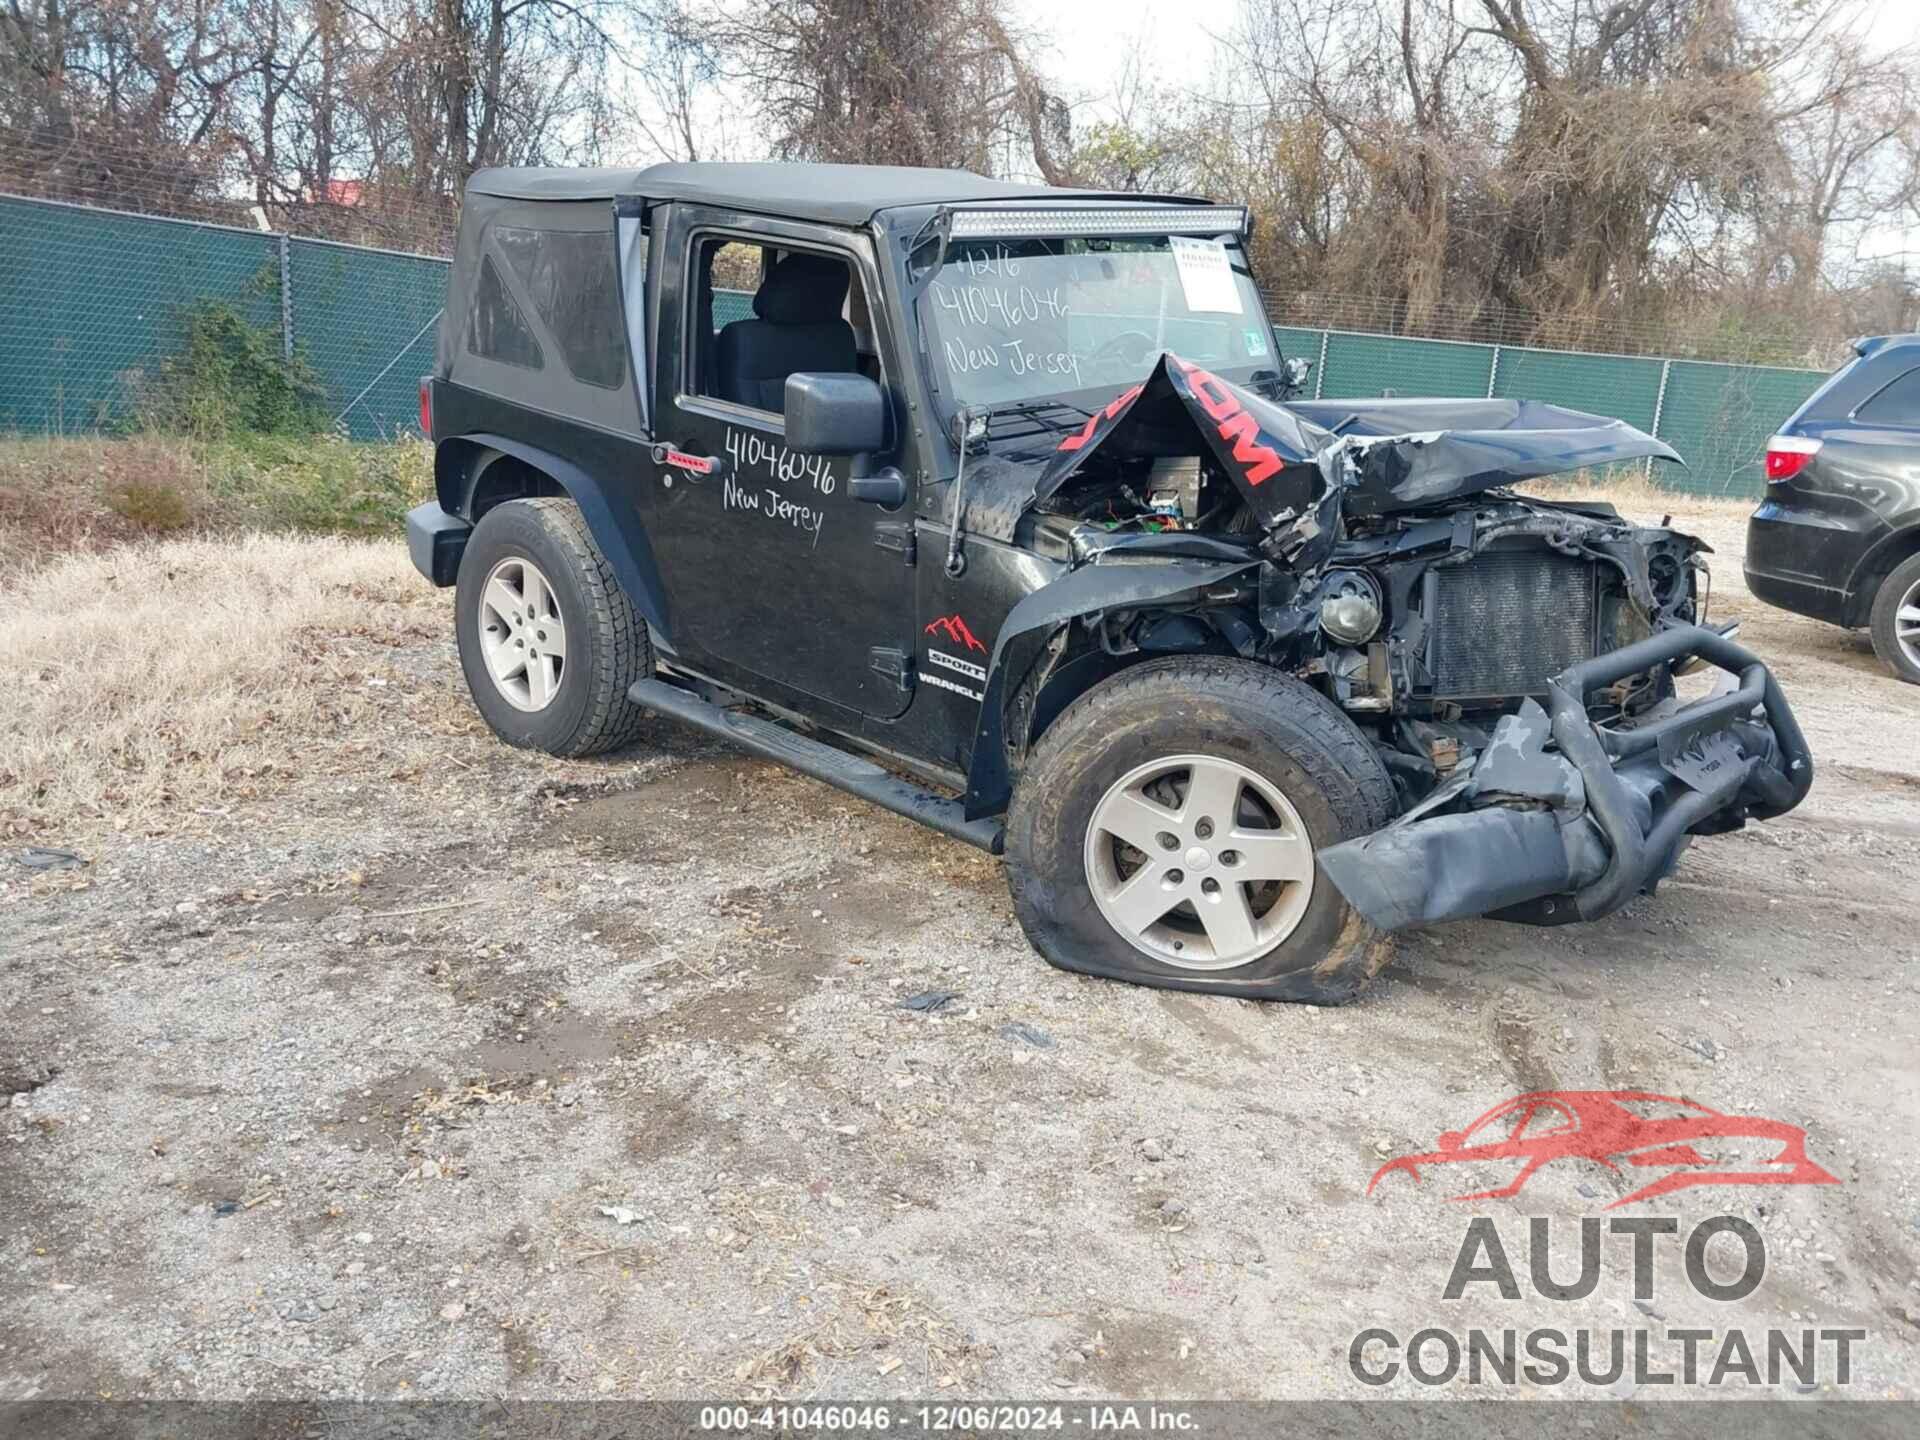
{"x":1507,"y":621}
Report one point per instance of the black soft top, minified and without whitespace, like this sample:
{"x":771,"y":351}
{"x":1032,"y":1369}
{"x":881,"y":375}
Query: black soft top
{"x":831,"y":194}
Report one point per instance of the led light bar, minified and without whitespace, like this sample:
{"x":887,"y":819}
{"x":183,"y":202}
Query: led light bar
{"x":1005,"y":222}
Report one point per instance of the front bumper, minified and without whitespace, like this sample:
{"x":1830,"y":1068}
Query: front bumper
{"x":1560,"y":819}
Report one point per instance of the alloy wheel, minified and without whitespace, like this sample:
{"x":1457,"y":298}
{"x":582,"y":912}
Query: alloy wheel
{"x":1906,"y":624}
{"x":522,"y":636}
{"x":1199,"y":862}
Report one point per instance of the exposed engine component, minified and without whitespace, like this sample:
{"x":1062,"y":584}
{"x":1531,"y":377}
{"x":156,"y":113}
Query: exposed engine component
{"x":1507,"y":620}
{"x":1351,"y":610}
{"x":1173,"y":486}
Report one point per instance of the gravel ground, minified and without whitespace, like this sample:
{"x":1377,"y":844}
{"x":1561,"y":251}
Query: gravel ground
{"x":508,"y":1077}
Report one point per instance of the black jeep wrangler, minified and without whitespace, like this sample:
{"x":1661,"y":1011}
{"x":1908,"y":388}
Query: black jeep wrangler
{"x":991,"y":503}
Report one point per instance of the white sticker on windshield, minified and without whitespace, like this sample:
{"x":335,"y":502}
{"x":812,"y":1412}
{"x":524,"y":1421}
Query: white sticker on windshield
{"x":1206,"y":275}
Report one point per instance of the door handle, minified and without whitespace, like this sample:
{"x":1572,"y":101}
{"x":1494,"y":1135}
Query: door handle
{"x":700,"y":467}
{"x":888,"y":489}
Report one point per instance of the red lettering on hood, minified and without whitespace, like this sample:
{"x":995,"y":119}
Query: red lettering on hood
{"x":1259,"y":463}
{"x":1085,"y":433}
{"x":1256,"y":460}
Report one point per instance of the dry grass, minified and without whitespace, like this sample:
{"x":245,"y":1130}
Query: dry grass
{"x":93,"y":494}
{"x":862,"y":1325}
{"x":59,"y":496}
{"x":186,"y":673}
{"x":1638,"y":497}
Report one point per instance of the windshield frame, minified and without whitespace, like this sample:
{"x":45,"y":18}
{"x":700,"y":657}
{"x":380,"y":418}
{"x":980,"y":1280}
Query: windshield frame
{"x":1087,"y":396}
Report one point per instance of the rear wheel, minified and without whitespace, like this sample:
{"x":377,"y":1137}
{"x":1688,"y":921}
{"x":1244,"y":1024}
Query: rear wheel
{"x":548,"y":639}
{"x":1164,"y":830}
{"x":1896,"y":620}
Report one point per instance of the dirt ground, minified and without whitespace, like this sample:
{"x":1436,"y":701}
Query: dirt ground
{"x":498,"y":1076}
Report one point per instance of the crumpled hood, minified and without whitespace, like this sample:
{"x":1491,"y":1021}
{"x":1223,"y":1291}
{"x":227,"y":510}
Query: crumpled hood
{"x":1382,"y":455}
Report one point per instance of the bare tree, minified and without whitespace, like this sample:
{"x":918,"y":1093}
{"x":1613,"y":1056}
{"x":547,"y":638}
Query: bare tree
{"x":1555,"y":170}
{"x":674,"y":98}
{"x":1564,"y":157}
{"x":119,"y":101}
{"x":906,"y":82}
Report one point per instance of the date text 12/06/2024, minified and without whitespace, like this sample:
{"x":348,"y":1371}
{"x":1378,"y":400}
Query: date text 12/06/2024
{"x":958,"y":1418}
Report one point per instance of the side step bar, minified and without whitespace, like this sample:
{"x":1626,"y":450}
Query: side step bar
{"x":851,"y":773}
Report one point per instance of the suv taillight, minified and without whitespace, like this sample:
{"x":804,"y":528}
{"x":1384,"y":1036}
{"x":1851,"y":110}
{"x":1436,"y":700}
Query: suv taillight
{"x":426,"y":407}
{"x":1787,"y":456}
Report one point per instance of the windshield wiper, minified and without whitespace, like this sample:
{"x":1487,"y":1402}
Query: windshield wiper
{"x":1040,"y":414}
{"x":973,"y":430}
{"x":1033,"y":407}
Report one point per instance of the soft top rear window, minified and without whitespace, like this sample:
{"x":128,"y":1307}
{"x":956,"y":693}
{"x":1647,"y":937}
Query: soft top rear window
{"x":496,"y":330}
{"x":569,"y":275}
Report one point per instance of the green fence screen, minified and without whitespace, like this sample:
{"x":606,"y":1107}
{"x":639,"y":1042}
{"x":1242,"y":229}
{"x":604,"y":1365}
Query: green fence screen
{"x":367,"y":321}
{"x":91,"y":302}
{"x":1360,"y":365}
{"x":94,"y":302}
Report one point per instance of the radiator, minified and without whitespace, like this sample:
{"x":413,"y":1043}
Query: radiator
{"x":1508,"y":620}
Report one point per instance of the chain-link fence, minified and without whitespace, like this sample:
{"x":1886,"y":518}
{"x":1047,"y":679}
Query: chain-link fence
{"x":95,"y":301}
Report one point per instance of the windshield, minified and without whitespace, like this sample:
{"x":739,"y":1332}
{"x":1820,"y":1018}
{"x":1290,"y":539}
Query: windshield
{"x":1027,"y":320}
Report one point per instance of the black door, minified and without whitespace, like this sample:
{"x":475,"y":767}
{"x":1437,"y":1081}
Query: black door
{"x":770,"y":566}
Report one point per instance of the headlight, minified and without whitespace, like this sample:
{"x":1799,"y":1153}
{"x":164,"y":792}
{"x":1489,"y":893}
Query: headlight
{"x":1350,"y":607}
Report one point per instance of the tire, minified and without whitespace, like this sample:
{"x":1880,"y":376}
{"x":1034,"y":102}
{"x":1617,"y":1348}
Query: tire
{"x":1898,"y":596}
{"x":1284,"y":743}
{"x":576,"y":702}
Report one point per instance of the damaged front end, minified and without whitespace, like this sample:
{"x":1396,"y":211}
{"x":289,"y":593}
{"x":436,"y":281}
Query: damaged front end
{"x":1561,"y":819}
{"x":1513,"y":659}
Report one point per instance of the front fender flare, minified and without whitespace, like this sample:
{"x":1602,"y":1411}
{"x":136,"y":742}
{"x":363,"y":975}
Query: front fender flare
{"x":1080,"y":593}
{"x":612,"y":521}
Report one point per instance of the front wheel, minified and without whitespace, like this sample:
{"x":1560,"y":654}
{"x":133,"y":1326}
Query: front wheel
{"x":1164,"y":830}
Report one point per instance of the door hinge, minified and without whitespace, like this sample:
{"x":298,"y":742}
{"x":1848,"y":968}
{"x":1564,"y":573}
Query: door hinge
{"x":896,"y":665}
{"x":896,"y":535}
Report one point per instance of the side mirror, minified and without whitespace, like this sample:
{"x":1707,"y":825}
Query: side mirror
{"x":1298,"y":372}
{"x":835,"y":414}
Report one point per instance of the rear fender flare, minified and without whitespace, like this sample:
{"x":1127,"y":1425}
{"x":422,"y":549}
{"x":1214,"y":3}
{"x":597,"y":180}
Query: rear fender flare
{"x":1081,"y":593}
{"x":611,"y":520}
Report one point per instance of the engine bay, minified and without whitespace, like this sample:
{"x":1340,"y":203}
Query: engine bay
{"x":1154,"y":495}
{"x":1426,"y":626}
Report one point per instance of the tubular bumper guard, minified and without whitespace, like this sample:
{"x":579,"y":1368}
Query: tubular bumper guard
{"x":1548,"y":836}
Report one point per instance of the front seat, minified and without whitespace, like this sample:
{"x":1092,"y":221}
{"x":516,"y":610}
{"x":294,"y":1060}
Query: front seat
{"x":798,"y":327}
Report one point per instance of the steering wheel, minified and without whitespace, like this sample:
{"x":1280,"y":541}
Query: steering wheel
{"x":1138,"y":341}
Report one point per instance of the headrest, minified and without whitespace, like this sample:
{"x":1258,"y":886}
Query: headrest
{"x":802,"y":289}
